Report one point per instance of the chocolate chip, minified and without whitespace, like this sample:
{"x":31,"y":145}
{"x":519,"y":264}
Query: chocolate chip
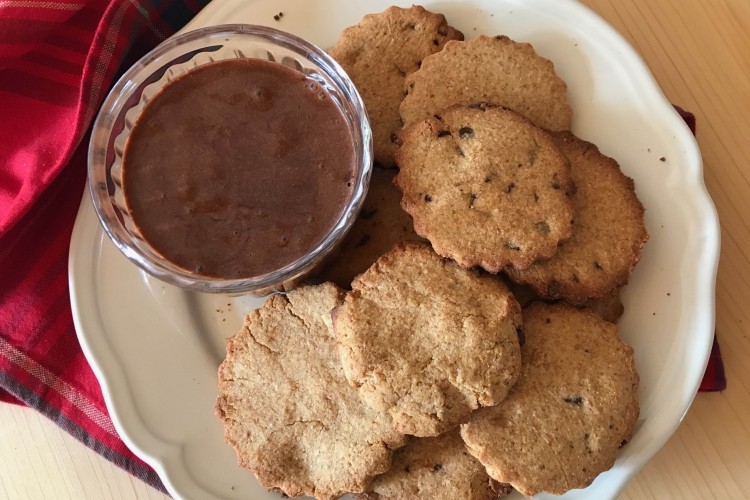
{"x":510,"y":187}
{"x":407,"y":469}
{"x":554,"y":289}
{"x":472,"y":198}
{"x":427,"y":198}
{"x":487,"y":179}
{"x":536,"y":197}
{"x":438,"y":467}
{"x":555,"y":182}
{"x":435,"y":42}
{"x":511,"y":246}
{"x":465,"y":132}
{"x":574,"y":400}
{"x":460,"y":152}
{"x":542,"y":227}
{"x":443,"y":133}
{"x":575,"y":278}
{"x":597,"y":266}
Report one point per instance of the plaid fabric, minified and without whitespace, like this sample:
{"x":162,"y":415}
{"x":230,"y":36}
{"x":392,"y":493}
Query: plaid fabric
{"x":57,"y":60}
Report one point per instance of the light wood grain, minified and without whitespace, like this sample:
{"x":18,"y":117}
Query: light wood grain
{"x":699,"y":51}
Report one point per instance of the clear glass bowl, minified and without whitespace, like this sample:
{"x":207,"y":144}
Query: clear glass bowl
{"x":174,"y":58}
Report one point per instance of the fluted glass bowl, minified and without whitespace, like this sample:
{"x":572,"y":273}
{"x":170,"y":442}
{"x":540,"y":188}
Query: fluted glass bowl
{"x":172,"y":59}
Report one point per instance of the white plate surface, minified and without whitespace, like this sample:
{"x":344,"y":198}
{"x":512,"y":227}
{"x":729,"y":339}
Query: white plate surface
{"x":155,"y":348}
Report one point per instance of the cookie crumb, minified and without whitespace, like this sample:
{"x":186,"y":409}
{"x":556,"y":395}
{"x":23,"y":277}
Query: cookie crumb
{"x":277,"y":17}
{"x":662,"y":159}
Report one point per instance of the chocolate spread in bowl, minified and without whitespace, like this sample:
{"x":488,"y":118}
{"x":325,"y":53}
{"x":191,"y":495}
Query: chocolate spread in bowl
{"x":238,"y":168}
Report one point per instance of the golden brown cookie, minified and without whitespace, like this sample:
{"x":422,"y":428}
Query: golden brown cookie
{"x":378,"y":53}
{"x":435,"y":468}
{"x":381,"y":224}
{"x":287,"y":409}
{"x":609,"y":307}
{"x":485,"y":186}
{"x":488,"y":69}
{"x":426,"y":341}
{"x":572,"y":408}
{"x":608,"y":233}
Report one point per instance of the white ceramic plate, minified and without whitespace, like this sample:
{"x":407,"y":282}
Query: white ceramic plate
{"x":155,"y":348}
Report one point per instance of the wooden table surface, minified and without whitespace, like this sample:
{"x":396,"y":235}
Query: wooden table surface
{"x":699,"y":51}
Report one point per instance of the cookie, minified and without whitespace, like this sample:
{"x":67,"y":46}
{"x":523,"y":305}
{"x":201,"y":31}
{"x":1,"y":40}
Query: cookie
{"x":381,"y":224}
{"x":378,"y":54}
{"x":609,"y":307}
{"x":574,"y":405}
{"x":608,"y":233}
{"x":485,"y":186}
{"x":435,"y":468}
{"x":488,"y":69}
{"x":425,"y":341}
{"x":286,"y":407}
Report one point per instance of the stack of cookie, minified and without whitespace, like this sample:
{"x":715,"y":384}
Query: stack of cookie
{"x":427,"y":378}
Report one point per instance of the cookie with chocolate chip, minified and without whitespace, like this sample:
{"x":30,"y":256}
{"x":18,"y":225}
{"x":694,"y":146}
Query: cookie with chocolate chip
{"x":485,"y":186}
{"x":425,"y":341}
{"x":488,"y":69}
{"x":574,"y":405}
{"x":381,"y":224}
{"x":608,"y":233}
{"x":287,"y":408}
{"x":378,"y":53}
{"x":438,"y":468}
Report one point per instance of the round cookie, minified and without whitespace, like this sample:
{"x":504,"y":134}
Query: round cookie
{"x":378,"y":53}
{"x":485,"y":186}
{"x":488,"y":69}
{"x":426,"y":341}
{"x":608,"y":233}
{"x":381,"y":224}
{"x":435,"y":468}
{"x":574,"y":405}
{"x":287,"y":409}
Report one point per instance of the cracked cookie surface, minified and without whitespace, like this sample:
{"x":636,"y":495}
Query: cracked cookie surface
{"x":378,"y":53}
{"x":287,"y":409}
{"x":497,"y":70}
{"x":485,"y":186}
{"x":608,"y":233}
{"x":574,"y":405}
{"x":427,"y":341}
{"x":438,"y":468}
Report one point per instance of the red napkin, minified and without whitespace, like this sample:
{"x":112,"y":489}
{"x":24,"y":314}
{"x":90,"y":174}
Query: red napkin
{"x":57,"y":60}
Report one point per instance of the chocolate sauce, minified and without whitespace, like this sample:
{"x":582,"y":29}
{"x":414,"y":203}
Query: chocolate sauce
{"x":238,"y":168}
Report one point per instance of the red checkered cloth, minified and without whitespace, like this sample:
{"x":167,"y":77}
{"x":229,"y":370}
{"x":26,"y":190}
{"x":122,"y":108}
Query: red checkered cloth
{"x":57,"y":60}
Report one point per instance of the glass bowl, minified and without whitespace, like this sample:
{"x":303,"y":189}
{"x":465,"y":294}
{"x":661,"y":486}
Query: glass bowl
{"x":169,"y":61}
